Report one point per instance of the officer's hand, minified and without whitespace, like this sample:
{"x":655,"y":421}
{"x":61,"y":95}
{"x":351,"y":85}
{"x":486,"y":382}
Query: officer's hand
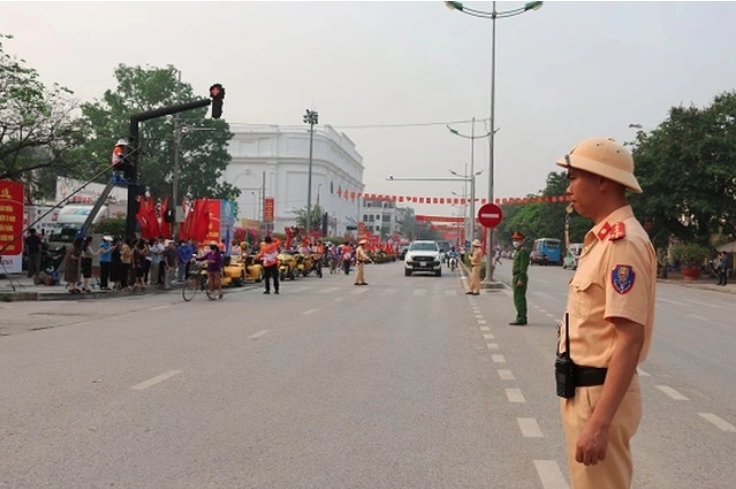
{"x":591,"y":445}
{"x":519,"y":283}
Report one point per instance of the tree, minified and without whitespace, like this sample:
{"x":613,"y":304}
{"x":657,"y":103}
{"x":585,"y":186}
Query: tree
{"x":685,"y":167}
{"x":203,"y":153}
{"x":543,"y":219}
{"x":37,"y":126}
{"x":316,"y":221}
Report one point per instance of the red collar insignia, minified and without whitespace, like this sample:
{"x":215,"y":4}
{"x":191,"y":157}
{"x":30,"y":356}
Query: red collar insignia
{"x":605,"y":229}
{"x":617,"y":231}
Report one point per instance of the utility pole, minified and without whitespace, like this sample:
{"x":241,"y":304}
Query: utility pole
{"x":175,"y":176}
{"x":311,"y":118}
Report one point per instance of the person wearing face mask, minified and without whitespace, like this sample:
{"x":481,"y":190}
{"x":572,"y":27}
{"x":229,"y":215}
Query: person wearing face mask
{"x":520,"y":278}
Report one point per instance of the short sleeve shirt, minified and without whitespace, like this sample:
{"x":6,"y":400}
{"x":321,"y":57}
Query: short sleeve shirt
{"x":616,"y":277}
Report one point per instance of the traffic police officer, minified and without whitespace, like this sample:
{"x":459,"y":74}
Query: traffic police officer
{"x":475,"y":260}
{"x":519,"y":279}
{"x":610,"y":314}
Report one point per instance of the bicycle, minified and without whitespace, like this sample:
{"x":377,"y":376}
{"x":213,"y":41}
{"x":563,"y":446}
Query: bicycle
{"x":197,"y":281}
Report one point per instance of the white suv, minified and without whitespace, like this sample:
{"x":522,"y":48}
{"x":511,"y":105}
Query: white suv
{"x":423,"y":256}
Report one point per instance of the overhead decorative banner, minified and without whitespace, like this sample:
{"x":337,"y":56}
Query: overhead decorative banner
{"x":415,"y":199}
{"x":11,"y":226}
{"x":439,"y":218}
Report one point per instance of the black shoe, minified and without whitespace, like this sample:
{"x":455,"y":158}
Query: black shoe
{"x":468,"y":293}
{"x":268,"y":292}
{"x":518,"y":323}
{"x":364,"y":283}
{"x":277,"y":292}
{"x":476,"y":293}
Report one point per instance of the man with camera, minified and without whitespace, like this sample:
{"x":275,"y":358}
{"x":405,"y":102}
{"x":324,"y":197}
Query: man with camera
{"x":608,"y":323}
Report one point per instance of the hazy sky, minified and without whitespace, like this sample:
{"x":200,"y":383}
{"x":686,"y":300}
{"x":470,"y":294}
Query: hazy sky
{"x":568,"y":71}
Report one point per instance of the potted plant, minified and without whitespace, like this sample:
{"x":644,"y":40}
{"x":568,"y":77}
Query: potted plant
{"x":691,"y":257}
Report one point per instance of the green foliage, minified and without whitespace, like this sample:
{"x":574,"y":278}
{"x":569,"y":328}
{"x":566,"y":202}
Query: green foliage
{"x":315,"y":222}
{"x":690,"y":255}
{"x":203,"y":152}
{"x":37,"y":127}
{"x":114,"y":226}
{"x":686,"y":169}
{"x":544,"y":219}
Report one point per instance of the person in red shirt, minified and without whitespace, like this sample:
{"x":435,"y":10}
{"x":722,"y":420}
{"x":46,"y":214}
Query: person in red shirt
{"x":269,"y":253}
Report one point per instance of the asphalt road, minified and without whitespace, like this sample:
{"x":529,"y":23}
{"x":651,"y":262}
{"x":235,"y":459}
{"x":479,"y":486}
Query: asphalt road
{"x":405,"y":383}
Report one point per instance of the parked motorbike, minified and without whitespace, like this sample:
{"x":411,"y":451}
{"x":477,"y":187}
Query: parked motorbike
{"x":287,"y":265}
{"x":453,"y":263}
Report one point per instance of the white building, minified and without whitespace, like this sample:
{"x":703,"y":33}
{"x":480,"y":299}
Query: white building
{"x":273,"y":161}
{"x":379,"y":217}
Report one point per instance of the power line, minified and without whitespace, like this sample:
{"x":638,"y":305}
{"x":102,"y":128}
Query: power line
{"x":372,"y":126}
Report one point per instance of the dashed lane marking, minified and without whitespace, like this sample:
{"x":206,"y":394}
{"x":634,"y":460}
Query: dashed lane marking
{"x":529,"y":428}
{"x":419,"y":292}
{"x":450,"y":293}
{"x":257,"y":335}
{"x":550,"y":474}
{"x":498,"y":359}
{"x":701,"y":303}
{"x":515,"y":395}
{"x":721,"y":424}
{"x":159,"y":308}
{"x":155,"y":380}
{"x":329,"y":290}
{"x":488,"y":336}
{"x":485,"y":328}
{"x":479,"y":316}
{"x":506,"y":374}
{"x":672,"y":393}
{"x":642,"y":373}
{"x":388,"y":292}
{"x":482,"y":321}
{"x":492,"y":346}
{"x":360,"y":290}
{"x":309,"y":311}
{"x":338,"y":299}
{"x":551,"y":315}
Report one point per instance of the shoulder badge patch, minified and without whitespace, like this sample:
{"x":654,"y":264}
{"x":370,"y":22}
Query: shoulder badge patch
{"x":617,"y":231}
{"x":622,"y":278}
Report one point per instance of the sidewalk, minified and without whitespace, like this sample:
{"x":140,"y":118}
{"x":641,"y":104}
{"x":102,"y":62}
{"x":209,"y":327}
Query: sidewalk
{"x":26,"y":290}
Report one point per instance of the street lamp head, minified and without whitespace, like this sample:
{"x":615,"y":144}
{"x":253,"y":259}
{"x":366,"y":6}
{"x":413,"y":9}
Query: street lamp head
{"x":533,"y":5}
{"x":454,"y":173}
{"x":454,"y":5}
{"x":453,"y":131}
{"x":635,"y":126}
{"x":390,"y":177}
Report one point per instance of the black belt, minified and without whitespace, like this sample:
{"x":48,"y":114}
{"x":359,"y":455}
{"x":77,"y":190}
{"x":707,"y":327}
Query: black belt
{"x":589,"y":376}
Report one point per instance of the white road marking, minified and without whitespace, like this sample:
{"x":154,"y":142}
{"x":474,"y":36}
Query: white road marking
{"x":451,"y":293}
{"x":642,"y":373}
{"x":720,"y":423}
{"x":419,"y":292}
{"x":544,"y":295}
{"x":529,"y":428}
{"x":492,"y":346}
{"x":482,"y":321}
{"x":488,"y":336}
{"x":701,"y":303}
{"x":300,"y":289}
{"x":672,"y":393}
{"x":506,"y":374}
{"x":155,"y":380}
{"x":698,"y":317}
{"x":515,"y":395}
{"x":498,"y":359}
{"x":159,"y":308}
{"x":329,"y":290}
{"x":257,"y":335}
{"x":551,"y":316}
{"x":388,"y":292}
{"x":361,"y":290}
{"x":479,"y":316}
{"x":337,"y":299}
{"x":667,"y":301}
{"x":550,"y":474}
{"x":309,"y":311}
{"x":485,"y":328}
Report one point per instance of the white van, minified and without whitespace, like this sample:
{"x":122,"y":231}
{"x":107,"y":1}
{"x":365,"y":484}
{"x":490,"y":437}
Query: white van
{"x":69,"y":222}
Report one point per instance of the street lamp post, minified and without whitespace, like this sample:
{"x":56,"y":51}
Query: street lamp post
{"x":470,"y":179}
{"x":472,"y":138}
{"x":493,"y":15}
{"x":311,"y":118}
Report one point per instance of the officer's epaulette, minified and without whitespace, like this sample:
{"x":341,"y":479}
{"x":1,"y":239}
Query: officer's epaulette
{"x":617,"y":231}
{"x":612,"y":231}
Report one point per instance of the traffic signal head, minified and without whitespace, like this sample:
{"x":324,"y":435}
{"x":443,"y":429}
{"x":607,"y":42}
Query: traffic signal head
{"x":217,"y":93}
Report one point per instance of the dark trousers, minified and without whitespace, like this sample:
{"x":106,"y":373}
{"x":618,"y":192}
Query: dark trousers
{"x":520,"y":296}
{"x":34,"y":264}
{"x":125,"y":275}
{"x":104,"y":273}
{"x":722,"y":277}
{"x":269,"y":273}
{"x":346,"y":267}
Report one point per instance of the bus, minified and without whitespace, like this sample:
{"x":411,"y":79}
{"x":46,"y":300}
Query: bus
{"x":550,"y":248}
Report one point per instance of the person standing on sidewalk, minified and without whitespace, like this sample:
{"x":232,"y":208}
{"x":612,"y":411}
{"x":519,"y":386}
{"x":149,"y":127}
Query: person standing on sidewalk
{"x":33,"y":248}
{"x":476,"y":258}
{"x":609,"y":318}
{"x":722,"y":268}
{"x":105,"y":252}
{"x":519,"y":278}
{"x":269,"y":253}
{"x":169,"y":262}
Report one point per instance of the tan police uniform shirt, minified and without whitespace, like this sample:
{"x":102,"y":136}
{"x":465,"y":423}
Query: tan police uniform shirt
{"x":616,"y":277}
{"x":477,"y":257}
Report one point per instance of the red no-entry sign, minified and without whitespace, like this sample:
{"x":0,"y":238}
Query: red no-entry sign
{"x":490,"y":215}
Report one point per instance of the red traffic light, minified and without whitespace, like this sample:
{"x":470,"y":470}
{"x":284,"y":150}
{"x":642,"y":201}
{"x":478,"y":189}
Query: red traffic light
{"x":217,"y":91}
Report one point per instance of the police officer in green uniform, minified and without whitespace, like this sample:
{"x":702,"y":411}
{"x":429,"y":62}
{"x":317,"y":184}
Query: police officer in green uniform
{"x":520,"y":278}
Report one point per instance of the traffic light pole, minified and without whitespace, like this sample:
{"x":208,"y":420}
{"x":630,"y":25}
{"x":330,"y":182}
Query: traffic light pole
{"x":132,"y":156}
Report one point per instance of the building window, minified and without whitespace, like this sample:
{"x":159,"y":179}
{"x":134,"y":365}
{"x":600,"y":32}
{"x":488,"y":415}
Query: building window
{"x":387,"y":218}
{"x":367,"y":204}
{"x":332,"y":187}
{"x":378,"y":217}
{"x":370,"y":218}
{"x":365,"y":218}
{"x":385,"y":205}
